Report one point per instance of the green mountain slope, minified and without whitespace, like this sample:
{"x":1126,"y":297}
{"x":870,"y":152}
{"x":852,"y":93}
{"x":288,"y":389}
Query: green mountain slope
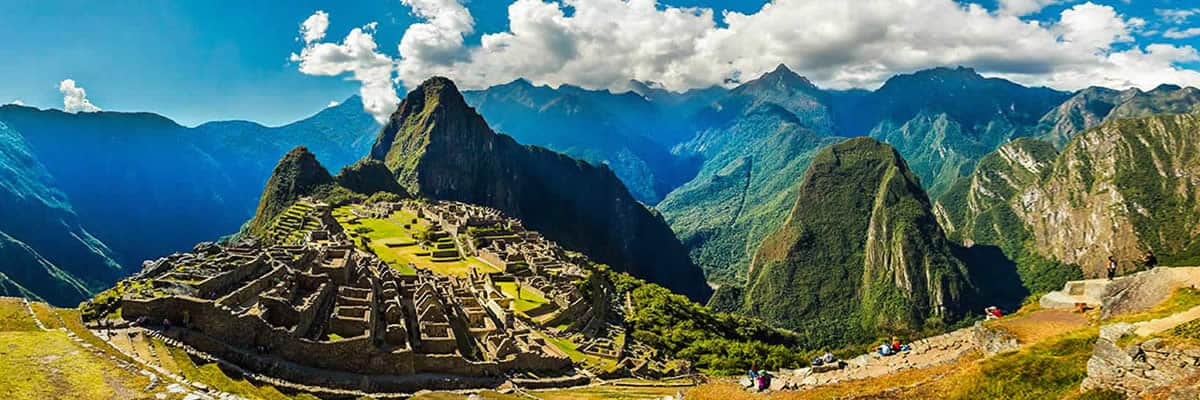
{"x":597,"y":126}
{"x":1121,"y":188}
{"x":45,"y":249}
{"x":744,"y":189}
{"x":438,"y":147}
{"x":860,"y":253}
{"x":296,"y":175}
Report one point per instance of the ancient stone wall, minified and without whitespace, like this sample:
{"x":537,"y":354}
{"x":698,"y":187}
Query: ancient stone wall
{"x":1139,"y":368}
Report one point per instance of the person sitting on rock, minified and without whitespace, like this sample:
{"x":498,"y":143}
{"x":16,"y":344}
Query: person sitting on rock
{"x":896,"y":345}
{"x":828,"y":358}
{"x":885,"y":349}
{"x":1149,"y":260}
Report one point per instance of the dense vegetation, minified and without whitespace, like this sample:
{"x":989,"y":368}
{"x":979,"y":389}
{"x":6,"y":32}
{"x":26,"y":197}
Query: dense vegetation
{"x":860,"y":224}
{"x":715,"y":342}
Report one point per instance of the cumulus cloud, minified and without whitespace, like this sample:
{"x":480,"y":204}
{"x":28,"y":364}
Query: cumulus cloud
{"x":17,"y":102}
{"x":356,"y":55}
{"x":1024,"y":7}
{"x":75,"y":98}
{"x":313,"y":28}
{"x":837,"y":44}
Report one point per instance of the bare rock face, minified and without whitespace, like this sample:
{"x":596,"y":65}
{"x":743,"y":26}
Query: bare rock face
{"x":1137,"y":369}
{"x":1120,"y":189}
{"x":994,"y":341}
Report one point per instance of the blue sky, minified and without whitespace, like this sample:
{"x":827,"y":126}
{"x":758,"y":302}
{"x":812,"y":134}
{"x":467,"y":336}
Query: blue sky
{"x":197,"y":61}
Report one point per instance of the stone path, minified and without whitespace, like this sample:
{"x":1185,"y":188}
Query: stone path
{"x":1151,"y":327}
{"x":925,"y":353}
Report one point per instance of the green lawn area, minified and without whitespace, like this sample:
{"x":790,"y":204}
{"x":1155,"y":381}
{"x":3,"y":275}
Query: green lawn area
{"x":48,"y":365}
{"x":528,"y":300}
{"x":392,"y":231}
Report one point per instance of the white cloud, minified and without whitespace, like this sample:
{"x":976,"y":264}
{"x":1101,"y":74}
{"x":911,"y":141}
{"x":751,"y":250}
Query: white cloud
{"x":17,"y":102}
{"x":332,"y":104}
{"x":357,"y":55}
{"x":1024,"y":7}
{"x":313,"y":28}
{"x":1181,"y":34}
{"x":75,"y":98}
{"x":1176,"y":16}
{"x":837,"y":44}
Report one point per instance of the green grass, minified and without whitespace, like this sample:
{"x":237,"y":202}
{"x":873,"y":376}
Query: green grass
{"x":14,"y":317}
{"x":528,"y":300}
{"x":1047,"y":370}
{"x":572,"y":350}
{"x":211,"y":375}
{"x":381,"y":232}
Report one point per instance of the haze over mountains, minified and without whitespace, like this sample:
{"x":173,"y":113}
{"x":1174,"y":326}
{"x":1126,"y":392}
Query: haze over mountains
{"x":723,"y":167}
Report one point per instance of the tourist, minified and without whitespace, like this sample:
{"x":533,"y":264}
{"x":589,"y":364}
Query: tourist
{"x":895,"y":345}
{"x":885,"y":349}
{"x":828,"y":358}
{"x":1149,"y":260}
{"x":1112,"y":267}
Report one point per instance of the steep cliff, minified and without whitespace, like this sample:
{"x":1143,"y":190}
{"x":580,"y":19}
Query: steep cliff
{"x":44,"y":250}
{"x":1124,"y":187}
{"x":439,"y":147}
{"x":1092,"y":106}
{"x":860,"y":253}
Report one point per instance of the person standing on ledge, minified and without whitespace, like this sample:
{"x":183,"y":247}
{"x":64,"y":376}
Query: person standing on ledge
{"x":1112,"y":267}
{"x":1149,"y":260}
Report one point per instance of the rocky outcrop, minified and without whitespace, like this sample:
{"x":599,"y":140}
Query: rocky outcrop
{"x":1155,"y":365}
{"x":860,"y":252}
{"x":438,"y":147}
{"x":1123,"y":188}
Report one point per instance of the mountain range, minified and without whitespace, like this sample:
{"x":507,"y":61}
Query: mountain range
{"x":95,"y":194}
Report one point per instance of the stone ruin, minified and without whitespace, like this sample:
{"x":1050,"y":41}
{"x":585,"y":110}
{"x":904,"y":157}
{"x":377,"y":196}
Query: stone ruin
{"x":318,"y":309}
{"x":326,"y":313}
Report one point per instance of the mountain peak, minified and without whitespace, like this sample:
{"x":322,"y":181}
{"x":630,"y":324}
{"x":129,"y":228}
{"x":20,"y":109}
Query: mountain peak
{"x":296,"y":175}
{"x":784,"y":75}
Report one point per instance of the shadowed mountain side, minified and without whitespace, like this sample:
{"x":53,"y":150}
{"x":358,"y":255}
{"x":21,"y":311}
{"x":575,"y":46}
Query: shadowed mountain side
{"x":439,"y":147}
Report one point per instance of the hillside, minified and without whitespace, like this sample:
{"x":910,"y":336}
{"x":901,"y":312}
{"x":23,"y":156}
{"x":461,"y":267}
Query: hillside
{"x":1121,"y":188}
{"x":440,"y":148}
{"x":46,"y":252}
{"x":141,"y":186}
{"x":1092,"y":106}
{"x":296,"y":175}
{"x":597,"y":126}
{"x":860,"y":254}
{"x":743,"y":191}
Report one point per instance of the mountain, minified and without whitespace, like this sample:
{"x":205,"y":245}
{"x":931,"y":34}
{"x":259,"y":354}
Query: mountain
{"x":141,"y":186}
{"x":860,"y":253}
{"x":597,"y":126}
{"x":439,"y":147}
{"x":1092,"y":106}
{"x":978,"y":212}
{"x":943,"y":120}
{"x":1121,"y":188}
{"x":46,"y":252}
{"x":297,"y":174}
{"x":743,"y":190}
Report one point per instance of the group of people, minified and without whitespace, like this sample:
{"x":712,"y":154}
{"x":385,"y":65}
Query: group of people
{"x":760,"y":380}
{"x":895,"y":347}
{"x":824,"y":359}
{"x":1148,"y":261}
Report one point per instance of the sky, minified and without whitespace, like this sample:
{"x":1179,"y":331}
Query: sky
{"x":275,"y":62}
